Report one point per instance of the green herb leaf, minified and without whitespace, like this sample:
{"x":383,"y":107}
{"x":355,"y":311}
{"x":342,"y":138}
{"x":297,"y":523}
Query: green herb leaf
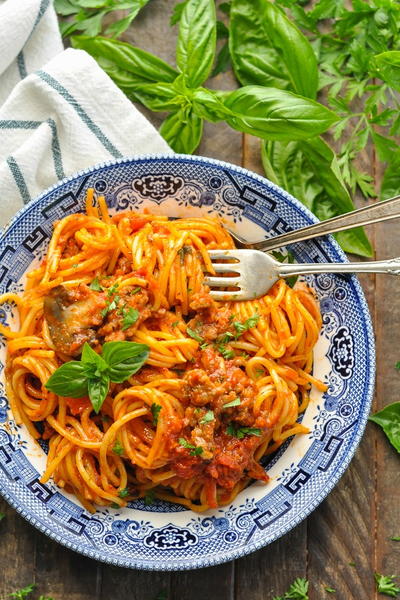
{"x":124,"y":359}
{"x":195,"y":450}
{"x":196,"y":41}
{"x":276,"y":114}
{"x":227,"y":353}
{"x":241,"y":432}
{"x":297,"y":591}
{"x":95,"y":285}
{"x":208,"y":417}
{"x":193,"y":334}
{"x":177,"y":12}
{"x":234,"y":402}
{"x":248,"y":324}
{"x":149,"y":497}
{"x":389,"y":419}
{"x":94,"y":364}
{"x":69,"y":380}
{"x":265,"y":45}
{"x":130,"y":318}
{"x":98,"y":390}
{"x":118,"y":448}
{"x":388,"y":67}
{"x":330,"y":590}
{"x":395,"y":538}
{"x":123,"y":493}
{"x":24,"y":592}
{"x":222,"y":61}
{"x":139,"y":66}
{"x":386,"y":585}
{"x":182,"y":130}
{"x":155,"y":411}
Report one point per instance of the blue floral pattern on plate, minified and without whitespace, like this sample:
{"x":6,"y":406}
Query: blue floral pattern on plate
{"x":165,"y":536}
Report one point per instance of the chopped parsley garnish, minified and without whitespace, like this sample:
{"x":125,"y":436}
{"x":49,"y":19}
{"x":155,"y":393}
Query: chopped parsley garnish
{"x":155,"y":411}
{"x":193,"y":334}
{"x":135,"y":291}
{"x":123,"y":493}
{"x":175,"y":324}
{"x":208,"y":417}
{"x":241,"y":432}
{"x":114,"y":505}
{"x":394,"y":538}
{"x":204,"y":346}
{"x":259,"y":373}
{"x":248,"y":324}
{"x":234,"y":402}
{"x":95,"y":285}
{"x":224,"y":338}
{"x":110,"y":306}
{"x":386,"y":585}
{"x":149,"y":497}
{"x":227,"y":353}
{"x":194,"y":450}
{"x":118,"y":448}
{"x":330,"y":590}
{"x":112,"y":289}
{"x":130,"y":318}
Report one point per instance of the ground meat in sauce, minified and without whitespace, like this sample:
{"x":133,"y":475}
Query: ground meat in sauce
{"x":112,"y":329}
{"x":211,"y":320}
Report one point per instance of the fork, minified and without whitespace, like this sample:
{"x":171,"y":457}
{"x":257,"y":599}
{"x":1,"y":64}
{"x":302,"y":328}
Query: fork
{"x":381,"y":211}
{"x":255,"y":272}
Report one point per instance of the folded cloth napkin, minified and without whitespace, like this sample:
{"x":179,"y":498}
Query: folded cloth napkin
{"x":64,"y":116}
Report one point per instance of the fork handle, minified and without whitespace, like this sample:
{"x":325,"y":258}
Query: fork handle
{"x":381,"y":211}
{"x":392,"y":267}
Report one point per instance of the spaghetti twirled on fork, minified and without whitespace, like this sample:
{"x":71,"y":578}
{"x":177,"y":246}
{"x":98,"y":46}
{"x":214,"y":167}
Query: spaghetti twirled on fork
{"x":223,"y":385}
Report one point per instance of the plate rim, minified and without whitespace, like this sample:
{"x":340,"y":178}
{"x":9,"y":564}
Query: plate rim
{"x":215,"y":559}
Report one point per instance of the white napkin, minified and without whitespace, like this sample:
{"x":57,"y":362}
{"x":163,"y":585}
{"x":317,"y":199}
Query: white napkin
{"x":64,"y":116}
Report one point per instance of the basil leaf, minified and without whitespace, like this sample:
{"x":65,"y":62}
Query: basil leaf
{"x":308,"y":169}
{"x":177,"y":12}
{"x":223,"y":61}
{"x":391,"y":180}
{"x":276,"y":114}
{"x":388,"y":68}
{"x":141,"y":66}
{"x":254,"y":59}
{"x":182,"y":130}
{"x":389,"y":419}
{"x":93,"y":363}
{"x":118,"y":27}
{"x":69,"y":380}
{"x":98,"y":390}
{"x":196,"y":41}
{"x":154,"y":96}
{"x":124,"y":359}
{"x":261,"y":29}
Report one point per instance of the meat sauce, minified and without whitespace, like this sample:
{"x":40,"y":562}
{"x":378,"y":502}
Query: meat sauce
{"x":212,"y":451}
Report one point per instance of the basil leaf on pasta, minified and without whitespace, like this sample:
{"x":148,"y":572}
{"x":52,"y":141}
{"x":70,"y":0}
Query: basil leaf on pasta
{"x":124,"y":359}
{"x":98,"y":390}
{"x":93,"y":363}
{"x":69,"y":380}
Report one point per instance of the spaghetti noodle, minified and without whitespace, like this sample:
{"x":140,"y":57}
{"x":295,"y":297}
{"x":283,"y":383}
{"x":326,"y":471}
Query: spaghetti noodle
{"x":223,"y":385}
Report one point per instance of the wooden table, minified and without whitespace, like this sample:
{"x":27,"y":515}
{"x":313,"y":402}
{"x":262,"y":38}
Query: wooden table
{"x":345,"y":539}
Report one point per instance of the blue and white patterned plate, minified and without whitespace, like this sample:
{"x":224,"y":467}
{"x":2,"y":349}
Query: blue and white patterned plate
{"x":164,"y":536}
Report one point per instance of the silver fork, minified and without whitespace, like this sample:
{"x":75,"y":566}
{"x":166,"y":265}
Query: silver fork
{"x":381,"y":211}
{"x":255,"y":272}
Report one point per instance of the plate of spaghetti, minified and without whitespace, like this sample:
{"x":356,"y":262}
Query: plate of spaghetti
{"x":142,"y":423}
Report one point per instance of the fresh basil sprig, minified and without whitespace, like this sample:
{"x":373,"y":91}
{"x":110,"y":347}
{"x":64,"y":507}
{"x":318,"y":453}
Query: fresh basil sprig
{"x":91,"y":375}
{"x":262,"y":111}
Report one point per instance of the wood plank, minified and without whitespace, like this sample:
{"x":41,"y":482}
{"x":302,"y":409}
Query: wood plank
{"x":18,"y":548}
{"x":124,"y":584}
{"x":202,"y":584}
{"x":387,"y":315}
{"x":64,"y":574}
